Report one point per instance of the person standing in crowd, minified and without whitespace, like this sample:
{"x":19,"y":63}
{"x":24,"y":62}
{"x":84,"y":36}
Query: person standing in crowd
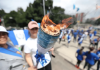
{"x":79,"y":54}
{"x":10,"y":57}
{"x":64,"y":34}
{"x":72,"y":31}
{"x":83,"y":35}
{"x":86,"y":34}
{"x":68,"y":31}
{"x":98,"y":54}
{"x":77,"y":31}
{"x":95,"y":42}
{"x":69,"y":39}
{"x":90,"y":56}
{"x":30,"y":49}
{"x":60,"y":37}
{"x":90,"y":28}
{"x":80,"y":40}
{"x":95,"y":32}
{"x":91,"y":35}
{"x":75,"y":36}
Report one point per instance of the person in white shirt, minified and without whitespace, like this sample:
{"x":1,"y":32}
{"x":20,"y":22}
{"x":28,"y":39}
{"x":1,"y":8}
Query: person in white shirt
{"x":30,"y":49}
{"x":60,"y":37}
{"x":86,"y":34}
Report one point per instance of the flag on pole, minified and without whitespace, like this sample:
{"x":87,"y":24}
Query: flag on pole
{"x":78,"y":9}
{"x":74,"y":6}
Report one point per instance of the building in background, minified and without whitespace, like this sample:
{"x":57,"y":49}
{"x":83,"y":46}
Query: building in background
{"x":79,"y":17}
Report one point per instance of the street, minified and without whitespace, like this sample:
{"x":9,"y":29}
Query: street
{"x":66,"y":59}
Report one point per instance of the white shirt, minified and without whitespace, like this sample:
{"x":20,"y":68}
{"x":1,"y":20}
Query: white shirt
{"x":61,"y":35}
{"x":31,"y":46}
{"x":83,"y":35}
{"x":69,"y":31}
{"x":91,"y":37}
{"x":86,"y":33}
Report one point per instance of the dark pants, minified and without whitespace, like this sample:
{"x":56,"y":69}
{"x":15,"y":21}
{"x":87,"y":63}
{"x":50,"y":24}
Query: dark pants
{"x":95,"y":45}
{"x":48,"y":67}
{"x":74,"y":40}
{"x":78,"y":62}
{"x":60,"y":40}
{"x":98,"y":65}
{"x":87,"y":64}
{"x":79,"y":44}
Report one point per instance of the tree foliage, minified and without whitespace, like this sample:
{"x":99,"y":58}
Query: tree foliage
{"x":34,"y":11}
{"x":97,"y":22}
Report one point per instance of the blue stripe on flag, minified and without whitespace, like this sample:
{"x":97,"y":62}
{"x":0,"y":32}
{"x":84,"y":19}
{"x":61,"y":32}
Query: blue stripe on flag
{"x":12,"y":37}
{"x":26,"y":32}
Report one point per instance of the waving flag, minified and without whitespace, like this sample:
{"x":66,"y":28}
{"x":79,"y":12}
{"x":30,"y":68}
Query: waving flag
{"x":18,"y":37}
{"x":78,"y":9}
{"x":73,"y":6}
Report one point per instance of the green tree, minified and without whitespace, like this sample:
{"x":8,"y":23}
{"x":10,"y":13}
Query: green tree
{"x":2,"y":13}
{"x":20,"y":18}
{"x":10,"y":18}
{"x":35,"y":11}
{"x":57,"y":15}
{"x":97,"y":22}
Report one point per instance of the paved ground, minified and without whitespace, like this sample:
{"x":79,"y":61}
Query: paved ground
{"x":60,"y":63}
{"x":68,"y":54}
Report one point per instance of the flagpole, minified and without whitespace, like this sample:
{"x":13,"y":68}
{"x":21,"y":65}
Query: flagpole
{"x":44,"y":7}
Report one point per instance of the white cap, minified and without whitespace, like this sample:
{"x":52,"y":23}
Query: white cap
{"x":2,"y":29}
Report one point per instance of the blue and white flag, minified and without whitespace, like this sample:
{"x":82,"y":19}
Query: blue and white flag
{"x":74,"y":6}
{"x":18,"y":37}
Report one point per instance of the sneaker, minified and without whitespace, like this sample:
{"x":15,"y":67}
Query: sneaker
{"x":76,"y":66}
{"x":53,"y":56}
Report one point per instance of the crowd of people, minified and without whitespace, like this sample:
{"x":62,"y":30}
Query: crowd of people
{"x":93,"y":55}
{"x":79,"y":36}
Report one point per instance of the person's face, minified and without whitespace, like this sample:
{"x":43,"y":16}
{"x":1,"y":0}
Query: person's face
{"x":3,"y":37}
{"x":33,"y":31}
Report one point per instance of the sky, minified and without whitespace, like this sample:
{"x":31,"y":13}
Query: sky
{"x":86,"y":6}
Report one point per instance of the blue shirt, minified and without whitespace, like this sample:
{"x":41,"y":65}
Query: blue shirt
{"x":80,"y":34}
{"x":95,"y":32}
{"x":95,"y":40}
{"x":80,"y":40}
{"x":69,"y":38}
{"x":75,"y":34}
{"x":10,"y":51}
{"x":80,"y":57}
{"x":81,"y":31}
{"x":77,"y":31}
{"x":90,"y":57}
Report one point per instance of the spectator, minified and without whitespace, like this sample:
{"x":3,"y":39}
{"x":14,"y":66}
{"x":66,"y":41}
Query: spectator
{"x":30,"y":49}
